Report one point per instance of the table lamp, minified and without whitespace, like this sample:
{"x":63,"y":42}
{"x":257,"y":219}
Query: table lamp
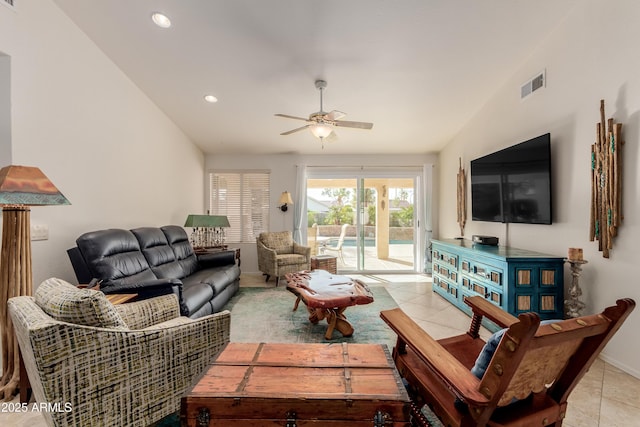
{"x":208,"y":230}
{"x":20,"y":188}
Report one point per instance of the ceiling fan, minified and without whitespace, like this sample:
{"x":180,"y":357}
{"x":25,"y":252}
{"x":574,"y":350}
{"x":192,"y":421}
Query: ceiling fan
{"x":322,"y":124}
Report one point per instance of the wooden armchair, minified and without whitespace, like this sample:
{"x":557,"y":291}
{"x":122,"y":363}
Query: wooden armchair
{"x":528,"y":377}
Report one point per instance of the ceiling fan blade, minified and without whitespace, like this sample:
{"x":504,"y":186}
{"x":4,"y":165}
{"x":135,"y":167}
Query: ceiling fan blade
{"x":286,"y":116}
{"x":335,"y":115}
{"x":294,"y":130}
{"x":348,"y":124}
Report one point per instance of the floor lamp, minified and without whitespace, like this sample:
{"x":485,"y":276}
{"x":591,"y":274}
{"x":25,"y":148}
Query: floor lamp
{"x":20,"y":188}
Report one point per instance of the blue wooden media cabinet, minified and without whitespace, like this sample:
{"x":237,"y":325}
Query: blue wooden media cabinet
{"x":516,"y":280}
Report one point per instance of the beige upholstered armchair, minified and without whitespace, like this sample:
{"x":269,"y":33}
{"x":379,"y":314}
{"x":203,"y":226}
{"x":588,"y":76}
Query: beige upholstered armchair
{"x":278,"y":254}
{"x":104,"y":364}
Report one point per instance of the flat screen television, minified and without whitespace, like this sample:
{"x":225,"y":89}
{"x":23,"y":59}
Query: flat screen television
{"x":513,"y":184}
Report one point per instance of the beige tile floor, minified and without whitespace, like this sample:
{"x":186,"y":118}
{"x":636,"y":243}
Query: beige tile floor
{"x":606,"y":397}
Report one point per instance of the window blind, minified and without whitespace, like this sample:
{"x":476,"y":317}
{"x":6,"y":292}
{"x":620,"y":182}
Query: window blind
{"x":244,"y":198}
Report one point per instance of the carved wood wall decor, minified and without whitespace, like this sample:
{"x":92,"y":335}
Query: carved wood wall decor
{"x":606,"y":183}
{"x":462,"y":197}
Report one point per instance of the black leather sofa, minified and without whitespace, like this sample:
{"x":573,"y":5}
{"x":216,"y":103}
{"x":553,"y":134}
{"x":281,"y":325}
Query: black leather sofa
{"x":153,"y":261}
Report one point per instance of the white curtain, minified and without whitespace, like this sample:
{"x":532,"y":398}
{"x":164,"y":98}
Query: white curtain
{"x":300,"y":204}
{"x":427,"y":180}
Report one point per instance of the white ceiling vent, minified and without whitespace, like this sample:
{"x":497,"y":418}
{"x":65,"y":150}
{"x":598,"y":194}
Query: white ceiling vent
{"x":537,"y":82}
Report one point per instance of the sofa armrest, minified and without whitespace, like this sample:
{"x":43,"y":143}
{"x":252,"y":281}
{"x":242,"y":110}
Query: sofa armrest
{"x":79,"y":265}
{"x":216,"y":259}
{"x":149,"y":289}
{"x":142,"y":314}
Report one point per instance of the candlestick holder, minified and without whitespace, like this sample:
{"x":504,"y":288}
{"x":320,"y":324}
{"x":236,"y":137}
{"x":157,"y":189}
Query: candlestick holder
{"x":573,"y":305}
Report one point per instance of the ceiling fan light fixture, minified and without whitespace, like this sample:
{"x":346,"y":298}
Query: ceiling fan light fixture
{"x":161,"y":20}
{"x":321,"y":130}
{"x":321,"y":124}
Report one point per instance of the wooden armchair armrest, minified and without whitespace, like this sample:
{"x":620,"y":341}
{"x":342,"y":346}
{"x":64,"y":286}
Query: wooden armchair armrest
{"x":483,"y":308}
{"x":458,"y":377}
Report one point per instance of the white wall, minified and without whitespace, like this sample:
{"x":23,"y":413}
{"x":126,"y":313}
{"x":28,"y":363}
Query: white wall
{"x":283,"y":178}
{"x":591,"y":56}
{"x":5,"y":108}
{"x":119,"y":160}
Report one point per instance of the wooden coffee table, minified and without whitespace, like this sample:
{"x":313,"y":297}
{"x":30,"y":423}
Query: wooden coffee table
{"x":327,"y":296}
{"x":278,"y":384}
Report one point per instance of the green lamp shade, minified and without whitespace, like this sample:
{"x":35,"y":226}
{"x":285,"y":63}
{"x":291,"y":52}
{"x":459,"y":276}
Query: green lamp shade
{"x":207,"y":221}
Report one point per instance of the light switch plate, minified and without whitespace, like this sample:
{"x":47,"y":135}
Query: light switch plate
{"x":39,"y":232}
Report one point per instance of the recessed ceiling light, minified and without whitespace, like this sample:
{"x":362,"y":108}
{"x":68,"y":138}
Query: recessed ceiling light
{"x":161,"y":20}
{"x":210,"y":98}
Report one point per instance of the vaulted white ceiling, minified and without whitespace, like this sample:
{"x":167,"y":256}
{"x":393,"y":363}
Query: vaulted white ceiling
{"x":417,"y":69}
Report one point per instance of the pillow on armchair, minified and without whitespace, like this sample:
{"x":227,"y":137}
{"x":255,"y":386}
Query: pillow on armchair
{"x":482,"y":362}
{"x":485,"y":356}
{"x":67,"y":303}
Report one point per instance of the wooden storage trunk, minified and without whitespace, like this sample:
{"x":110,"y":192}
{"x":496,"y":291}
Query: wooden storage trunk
{"x":293,"y":385}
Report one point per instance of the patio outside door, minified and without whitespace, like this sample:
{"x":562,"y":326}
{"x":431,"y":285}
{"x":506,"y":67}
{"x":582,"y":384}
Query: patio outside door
{"x":366,"y":222}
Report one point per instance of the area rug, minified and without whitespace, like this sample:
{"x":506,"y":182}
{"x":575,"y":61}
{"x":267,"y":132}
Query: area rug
{"x":266,"y":315}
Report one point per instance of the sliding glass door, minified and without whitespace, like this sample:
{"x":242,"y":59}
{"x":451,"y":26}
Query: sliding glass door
{"x":367,"y":222}
{"x":388,"y":226}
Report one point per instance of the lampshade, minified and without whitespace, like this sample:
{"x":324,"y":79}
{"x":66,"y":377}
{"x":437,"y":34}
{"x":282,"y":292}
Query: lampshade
{"x":207,"y":221}
{"x":321,"y":130}
{"x":285,"y":198}
{"x":28,"y":186}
